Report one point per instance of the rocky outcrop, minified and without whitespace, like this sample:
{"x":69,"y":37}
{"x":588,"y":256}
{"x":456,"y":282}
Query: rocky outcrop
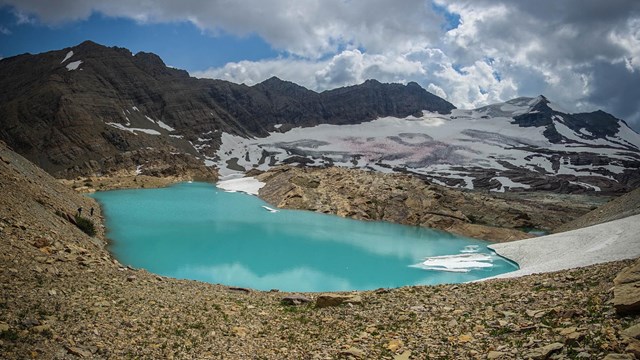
{"x":408,"y":200}
{"x":626,"y":298}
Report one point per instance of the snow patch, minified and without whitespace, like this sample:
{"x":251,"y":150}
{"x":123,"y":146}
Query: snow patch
{"x":277,"y":126}
{"x":588,"y":186}
{"x":506,"y":182}
{"x":133,"y":130}
{"x":558,"y":108}
{"x":67,"y":57}
{"x":164,"y":126}
{"x":247,"y":185}
{"x":73,"y":65}
{"x":611,"y":241}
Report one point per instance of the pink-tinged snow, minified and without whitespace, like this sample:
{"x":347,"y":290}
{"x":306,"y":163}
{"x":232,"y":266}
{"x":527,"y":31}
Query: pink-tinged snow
{"x":611,"y":241}
{"x":73,"y":65}
{"x":133,"y":130}
{"x":67,"y":57}
{"x":432,"y":145}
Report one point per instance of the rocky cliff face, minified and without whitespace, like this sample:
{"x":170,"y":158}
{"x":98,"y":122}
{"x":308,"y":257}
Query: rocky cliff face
{"x":409,"y":200}
{"x":70,"y":109}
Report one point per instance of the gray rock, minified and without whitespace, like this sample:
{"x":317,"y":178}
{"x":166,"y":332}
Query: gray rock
{"x":295,"y":300}
{"x":632,"y":332}
{"x":544,"y":352}
{"x":618,"y":357}
{"x":626,"y":294}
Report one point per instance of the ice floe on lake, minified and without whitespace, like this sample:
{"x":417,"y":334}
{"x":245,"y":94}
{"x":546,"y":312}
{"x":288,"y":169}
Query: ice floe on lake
{"x":457,"y":263}
{"x":269,"y":209}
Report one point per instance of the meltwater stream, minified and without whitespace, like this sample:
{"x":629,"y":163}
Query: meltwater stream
{"x":196,"y":231}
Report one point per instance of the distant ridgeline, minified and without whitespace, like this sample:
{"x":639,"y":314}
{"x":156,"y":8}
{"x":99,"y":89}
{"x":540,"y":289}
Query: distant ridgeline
{"x":92,"y":109}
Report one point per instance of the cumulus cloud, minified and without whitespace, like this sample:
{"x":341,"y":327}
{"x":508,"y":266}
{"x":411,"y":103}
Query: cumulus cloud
{"x":308,"y":28}
{"x":584,"y":54}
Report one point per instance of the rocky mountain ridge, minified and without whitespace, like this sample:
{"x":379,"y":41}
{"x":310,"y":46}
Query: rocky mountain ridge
{"x":525,"y":144}
{"x":81,"y":110}
{"x":67,"y":110}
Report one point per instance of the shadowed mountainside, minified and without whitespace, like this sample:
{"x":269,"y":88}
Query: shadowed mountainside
{"x":69,"y":110}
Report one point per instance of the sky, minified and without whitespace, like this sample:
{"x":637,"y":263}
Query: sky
{"x":581,"y":54}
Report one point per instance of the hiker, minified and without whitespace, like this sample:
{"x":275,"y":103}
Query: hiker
{"x":80,"y":211}
{"x":91,"y":212}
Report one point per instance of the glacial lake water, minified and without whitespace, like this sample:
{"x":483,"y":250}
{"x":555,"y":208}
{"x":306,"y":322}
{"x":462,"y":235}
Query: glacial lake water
{"x":196,"y":231}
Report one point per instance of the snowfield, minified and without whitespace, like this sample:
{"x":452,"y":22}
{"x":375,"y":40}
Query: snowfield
{"x":442,"y":146}
{"x":611,"y":241}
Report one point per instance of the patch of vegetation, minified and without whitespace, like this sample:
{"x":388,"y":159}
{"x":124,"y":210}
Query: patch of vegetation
{"x":86,"y":225}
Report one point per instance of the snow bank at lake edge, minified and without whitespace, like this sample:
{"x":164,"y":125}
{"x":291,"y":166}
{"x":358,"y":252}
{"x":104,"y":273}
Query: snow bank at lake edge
{"x":247,"y":185}
{"x":611,"y":241}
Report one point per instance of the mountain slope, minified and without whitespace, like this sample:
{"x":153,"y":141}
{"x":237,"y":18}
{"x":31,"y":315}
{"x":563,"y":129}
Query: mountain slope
{"x":91,"y":109}
{"x":525,"y":143}
{"x":68,"y":110}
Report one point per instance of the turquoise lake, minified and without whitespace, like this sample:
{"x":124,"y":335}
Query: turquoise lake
{"x":196,"y":231}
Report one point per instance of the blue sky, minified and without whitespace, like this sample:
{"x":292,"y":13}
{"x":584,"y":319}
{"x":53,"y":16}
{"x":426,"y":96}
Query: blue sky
{"x":180,"y":44}
{"x":582,"y":54}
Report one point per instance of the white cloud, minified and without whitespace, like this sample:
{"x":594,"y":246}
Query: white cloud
{"x":584,"y":54}
{"x":4,"y":30}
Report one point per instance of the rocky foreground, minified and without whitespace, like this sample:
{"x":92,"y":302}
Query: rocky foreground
{"x":64,"y":297}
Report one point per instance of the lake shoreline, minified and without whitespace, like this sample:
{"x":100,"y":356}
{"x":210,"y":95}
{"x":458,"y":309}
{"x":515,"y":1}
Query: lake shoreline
{"x":66,"y":297}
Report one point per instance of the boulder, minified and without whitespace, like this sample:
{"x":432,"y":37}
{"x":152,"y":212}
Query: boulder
{"x":295,"y":300}
{"x":328,"y":300}
{"x":632,"y":332}
{"x":626,"y":293}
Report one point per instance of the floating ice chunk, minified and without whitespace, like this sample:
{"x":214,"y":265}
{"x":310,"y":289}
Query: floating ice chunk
{"x":73,"y":65}
{"x":456,"y":263}
{"x":470,"y":249}
{"x":69,"y":55}
{"x":269,"y":209}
